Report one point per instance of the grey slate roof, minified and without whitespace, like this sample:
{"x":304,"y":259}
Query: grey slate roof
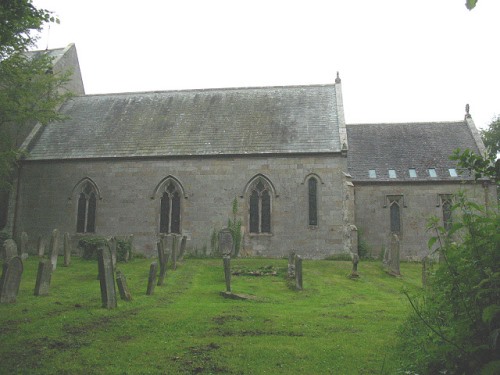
{"x":295,"y":119}
{"x":381,"y":147}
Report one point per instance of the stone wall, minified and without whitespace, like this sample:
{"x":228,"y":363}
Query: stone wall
{"x":420,"y":202}
{"x":127,"y":203}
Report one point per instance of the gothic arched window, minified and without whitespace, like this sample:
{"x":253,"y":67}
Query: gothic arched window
{"x":395,"y":217}
{"x":170,"y":209}
{"x":313,"y":201}
{"x":260,"y":207}
{"x":446,"y":204}
{"x":86,"y":212}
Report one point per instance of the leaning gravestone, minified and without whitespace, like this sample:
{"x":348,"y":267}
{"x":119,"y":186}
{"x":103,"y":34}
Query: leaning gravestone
{"x":227,"y":272}
{"x":152,"y":278}
{"x":67,"y":249}
{"x":226,"y":243}
{"x":298,"y":272}
{"x":9,"y":249}
{"x":106,"y":278}
{"x":43,"y":277}
{"x":11,"y":279}
{"x":54,"y":248}
{"x":41,"y":247}
{"x":23,"y":248}
{"x":121,"y":281}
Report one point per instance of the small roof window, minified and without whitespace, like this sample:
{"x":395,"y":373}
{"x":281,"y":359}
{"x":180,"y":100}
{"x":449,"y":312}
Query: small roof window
{"x":453,"y":172}
{"x":412,"y":172}
{"x":392,"y":173}
{"x":432,"y":172}
{"x":372,"y":173}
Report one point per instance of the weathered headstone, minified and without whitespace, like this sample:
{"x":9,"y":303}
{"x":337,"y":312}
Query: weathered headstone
{"x":298,"y":272}
{"x":175,"y":244}
{"x":23,"y":248}
{"x":67,"y":249}
{"x":355,"y":261}
{"x":182,"y":248}
{"x":112,"y":247}
{"x":9,"y":249}
{"x":163,"y":262}
{"x":153,"y":269}
{"x":121,"y":281}
{"x":291,"y":265}
{"x":54,"y":248}
{"x":43,"y":277}
{"x":227,"y":272}
{"x":106,"y":278}
{"x":128,"y":253}
{"x":394,"y":256}
{"x":41,"y":247}
{"x":11,"y":279}
{"x":226,"y":243}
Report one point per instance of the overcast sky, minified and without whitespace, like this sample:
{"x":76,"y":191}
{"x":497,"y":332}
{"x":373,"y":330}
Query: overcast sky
{"x":399,"y":60}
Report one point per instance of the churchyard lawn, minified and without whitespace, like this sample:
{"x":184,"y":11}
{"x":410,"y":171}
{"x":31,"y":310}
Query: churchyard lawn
{"x":335,"y":325}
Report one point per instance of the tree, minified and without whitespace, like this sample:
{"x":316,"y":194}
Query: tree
{"x":470,"y":4}
{"x":454,"y":327}
{"x":29,"y":90}
{"x":491,"y":137}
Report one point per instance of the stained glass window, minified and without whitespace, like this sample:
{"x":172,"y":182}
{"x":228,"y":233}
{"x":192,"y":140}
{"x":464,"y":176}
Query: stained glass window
{"x":86,"y":211}
{"x":170,"y":209}
{"x":260,"y":208}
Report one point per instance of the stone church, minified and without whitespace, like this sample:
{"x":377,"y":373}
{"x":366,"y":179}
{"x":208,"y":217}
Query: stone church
{"x":147,"y":163}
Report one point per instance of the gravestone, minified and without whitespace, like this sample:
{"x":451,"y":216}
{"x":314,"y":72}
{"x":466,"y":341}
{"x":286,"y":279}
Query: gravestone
{"x":163,"y":259}
{"x":128,"y":253}
{"x":54,"y":248}
{"x":67,"y":249}
{"x":227,"y":272}
{"x":121,"y":281}
{"x":355,"y":261}
{"x":106,"y":278}
{"x":226,"y":243}
{"x":43,"y":277}
{"x":298,"y":272}
{"x":182,"y":248}
{"x":394,"y":256}
{"x":23,"y":248}
{"x":41,"y":247}
{"x":112,"y":248}
{"x":291,"y":265}
{"x":9,"y":249}
{"x":11,"y":279}
{"x":152,"y":278}
{"x":175,"y":243}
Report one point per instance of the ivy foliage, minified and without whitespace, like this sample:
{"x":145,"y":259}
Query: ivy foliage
{"x":234,"y":226}
{"x":454,"y":327}
{"x":89,"y":246}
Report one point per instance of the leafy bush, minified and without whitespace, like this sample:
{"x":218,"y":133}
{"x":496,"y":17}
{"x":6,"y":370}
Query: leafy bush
{"x":234,"y":226}
{"x":89,"y":246}
{"x":455,"y":324}
{"x":122,"y":248}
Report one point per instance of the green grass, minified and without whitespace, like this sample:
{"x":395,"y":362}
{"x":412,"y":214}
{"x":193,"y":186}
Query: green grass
{"x":334,"y":326}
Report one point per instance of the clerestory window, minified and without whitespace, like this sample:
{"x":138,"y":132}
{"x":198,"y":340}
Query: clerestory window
{"x":260,"y":207}
{"x":87,"y":205}
{"x":170,"y":209}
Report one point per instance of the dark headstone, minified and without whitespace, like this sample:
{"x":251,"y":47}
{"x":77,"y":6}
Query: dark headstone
{"x":43,"y":277}
{"x":226,"y":243}
{"x":11,"y":279}
{"x":121,"y":281}
{"x":106,"y":278}
{"x":67,"y":249}
{"x":9,"y":249}
{"x":153,"y":269}
{"x":227,"y":272}
{"x":298,"y":272}
{"x":23,"y":248}
{"x":54,"y":248}
{"x":291,"y":265}
{"x":394,"y":256}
